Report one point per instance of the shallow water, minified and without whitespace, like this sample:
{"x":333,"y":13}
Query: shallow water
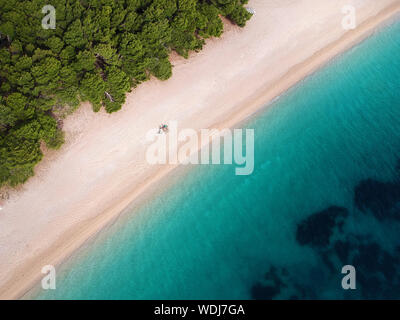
{"x":286,"y":230}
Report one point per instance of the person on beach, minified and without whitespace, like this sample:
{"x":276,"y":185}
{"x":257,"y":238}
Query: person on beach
{"x":163,"y":127}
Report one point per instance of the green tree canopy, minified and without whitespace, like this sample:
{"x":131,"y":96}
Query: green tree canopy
{"x":98,"y":51}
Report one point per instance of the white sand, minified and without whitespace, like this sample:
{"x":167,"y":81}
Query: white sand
{"x":101,"y":168}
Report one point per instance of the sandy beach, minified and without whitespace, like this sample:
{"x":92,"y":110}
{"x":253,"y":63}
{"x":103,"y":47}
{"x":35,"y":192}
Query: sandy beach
{"x":102,"y":169}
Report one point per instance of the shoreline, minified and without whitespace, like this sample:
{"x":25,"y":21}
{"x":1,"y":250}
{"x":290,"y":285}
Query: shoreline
{"x":24,"y":279}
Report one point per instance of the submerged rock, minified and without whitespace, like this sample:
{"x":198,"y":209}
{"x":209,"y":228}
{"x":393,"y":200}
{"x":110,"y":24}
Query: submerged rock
{"x":317,"y":229}
{"x":380,"y":198}
{"x":272,"y":285}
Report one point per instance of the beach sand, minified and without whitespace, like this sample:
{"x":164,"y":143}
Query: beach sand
{"x":101,"y":168}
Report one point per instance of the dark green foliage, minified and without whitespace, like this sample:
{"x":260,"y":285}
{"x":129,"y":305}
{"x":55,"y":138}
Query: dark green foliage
{"x":234,"y":10}
{"x":98,"y":51}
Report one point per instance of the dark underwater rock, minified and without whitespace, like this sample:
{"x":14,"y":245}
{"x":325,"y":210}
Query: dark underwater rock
{"x":272,"y":286}
{"x":342,"y":250}
{"x":317,"y":229}
{"x":380,"y":198}
{"x":264,"y":292}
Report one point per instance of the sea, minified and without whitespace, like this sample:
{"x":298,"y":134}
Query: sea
{"x":319,"y":217}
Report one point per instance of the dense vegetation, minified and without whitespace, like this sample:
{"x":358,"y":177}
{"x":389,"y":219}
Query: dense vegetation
{"x":98,"y":51}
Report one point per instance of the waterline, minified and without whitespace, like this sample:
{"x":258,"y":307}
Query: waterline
{"x":216,"y":235}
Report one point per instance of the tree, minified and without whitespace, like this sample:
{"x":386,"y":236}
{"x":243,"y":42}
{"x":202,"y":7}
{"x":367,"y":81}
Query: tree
{"x":92,"y":88}
{"x":99,"y":50}
{"x":16,"y":108}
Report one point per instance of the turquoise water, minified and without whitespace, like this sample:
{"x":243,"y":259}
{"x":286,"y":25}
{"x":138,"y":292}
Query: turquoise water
{"x":214,"y":235}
